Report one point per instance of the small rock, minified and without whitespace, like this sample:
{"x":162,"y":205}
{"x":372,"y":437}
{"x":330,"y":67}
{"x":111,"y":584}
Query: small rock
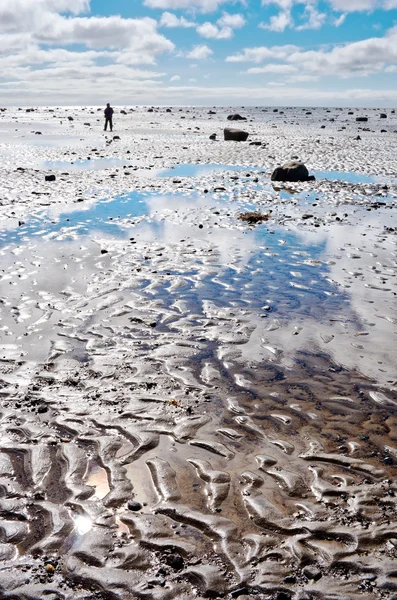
{"x":236,"y":117}
{"x":312,"y":573}
{"x":134,"y":505}
{"x":50,"y":178}
{"x":293,"y":171}
{"x":175,"y":561}
{"x":236,"y":135}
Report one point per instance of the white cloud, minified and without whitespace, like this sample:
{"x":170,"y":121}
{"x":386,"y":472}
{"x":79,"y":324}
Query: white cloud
{"x":340,"y":20}
{"x":223,"y":30}
{"x":202,"y":5}
{"x":261,"y":53}
{"x":235,"y":21}
{"x":201,"y":52}
{"x":211,"y":31}
{"x":279,"y":22}
{"x":175,"y":78}
{"x":44,"y":22}
{"x":281,"y":69}
{"x":315,"y":19}
{"x":362,"y":5}
{"x":356,"y":58}
{"x":170,"y":20}
{"x":352,"y":59}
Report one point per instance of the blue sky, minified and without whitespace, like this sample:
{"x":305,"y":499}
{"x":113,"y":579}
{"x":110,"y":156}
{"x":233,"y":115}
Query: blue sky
{"x":207,"y":52}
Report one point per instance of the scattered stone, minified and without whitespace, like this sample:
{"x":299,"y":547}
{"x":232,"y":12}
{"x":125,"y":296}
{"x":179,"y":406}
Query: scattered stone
{"x":312,"y":573}
{"x":361,"y":119}
{"x":175,"y":561}
{"x":236,"y":117}
{"x":213,"y":136}
{"x":235,"y":135}
{"x":134,"y":505}
{"x":70,"y":119}
{"x":253,"y":217}
{"x":292,"y":171}
{"x":383,"y":115}
{"x":50,"y":178}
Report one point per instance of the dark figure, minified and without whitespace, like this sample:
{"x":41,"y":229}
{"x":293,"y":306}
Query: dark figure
{"x":108,"y":117}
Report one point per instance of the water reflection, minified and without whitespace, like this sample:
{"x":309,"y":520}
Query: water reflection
{"x":200,"y":170}
{"x":331,"y":288}
{"x":82,"y":524}
{"x":94,"y":164}
{"x":351,"y":177}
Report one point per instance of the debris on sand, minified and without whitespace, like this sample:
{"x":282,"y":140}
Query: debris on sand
{"x":253,"y":217}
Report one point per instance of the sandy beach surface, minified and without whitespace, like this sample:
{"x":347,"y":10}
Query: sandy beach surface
{"x":193,"y":406}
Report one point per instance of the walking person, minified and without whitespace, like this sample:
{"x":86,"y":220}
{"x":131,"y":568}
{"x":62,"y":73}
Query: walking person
{"x":108,"y":117}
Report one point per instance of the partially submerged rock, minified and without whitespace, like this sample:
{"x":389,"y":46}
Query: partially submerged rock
{"x":236,"y":135}
{"x":253,"y":217}
{"x":292,"y":171}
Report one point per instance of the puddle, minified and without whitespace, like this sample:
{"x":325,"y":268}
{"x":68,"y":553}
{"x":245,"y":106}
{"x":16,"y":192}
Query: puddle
{"x":191,"y":248}
{"x":197,"y":170}
{"x":98,"y":478}
{"x":94,"y":164}
{"x":103,"y":216}
{"x":351,"y":177}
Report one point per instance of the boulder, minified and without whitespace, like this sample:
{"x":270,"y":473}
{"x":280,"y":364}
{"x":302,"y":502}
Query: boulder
{"x":383,"y":115}
{"x":361,"y":119}
{"x":213,"y":136}
{"x":236,"y":117}
{"x":236,"y":135}
{"x":50,"y":178}
{"x":292,"y":171}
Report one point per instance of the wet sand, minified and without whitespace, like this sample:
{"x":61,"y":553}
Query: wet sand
{"x":191,"y":406}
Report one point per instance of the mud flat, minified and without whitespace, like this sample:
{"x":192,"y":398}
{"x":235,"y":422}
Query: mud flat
{"x":193,"y":406}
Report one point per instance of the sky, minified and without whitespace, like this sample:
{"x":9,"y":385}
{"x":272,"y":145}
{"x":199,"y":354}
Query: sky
{"x":199,"y":52}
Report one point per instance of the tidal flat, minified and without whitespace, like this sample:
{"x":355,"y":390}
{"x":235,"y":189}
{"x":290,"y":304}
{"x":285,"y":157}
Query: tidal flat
{"x":192,"y":405}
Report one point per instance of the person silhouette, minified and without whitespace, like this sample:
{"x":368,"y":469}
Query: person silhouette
{"x":108,"y":117}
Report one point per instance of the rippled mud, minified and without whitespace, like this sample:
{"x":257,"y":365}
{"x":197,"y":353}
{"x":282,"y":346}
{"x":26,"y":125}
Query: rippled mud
{"x":192,"y":407}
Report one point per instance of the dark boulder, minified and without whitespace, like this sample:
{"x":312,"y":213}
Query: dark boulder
{"x":383,"y":115}
{"x":236,"y":135}
{"x":361,"y":119}
{"x":213,"y":136}
{"x":50,"y":178}
{"x":236,"y":117}
{"x":292,"y":171}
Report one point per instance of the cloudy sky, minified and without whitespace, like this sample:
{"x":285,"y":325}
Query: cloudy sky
{"x":206,"y":52}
